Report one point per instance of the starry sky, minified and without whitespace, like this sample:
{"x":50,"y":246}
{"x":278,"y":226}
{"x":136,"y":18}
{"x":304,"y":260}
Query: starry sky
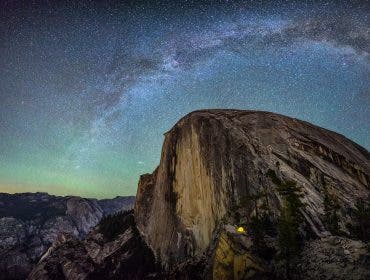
{"x":87,"y":89}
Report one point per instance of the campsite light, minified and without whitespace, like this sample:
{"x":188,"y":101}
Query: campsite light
{"x":240,"y":230}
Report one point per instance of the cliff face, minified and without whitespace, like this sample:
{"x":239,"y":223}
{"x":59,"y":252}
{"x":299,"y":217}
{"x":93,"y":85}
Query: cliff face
{"x":31,"y":222}
{"x":212,"y":160}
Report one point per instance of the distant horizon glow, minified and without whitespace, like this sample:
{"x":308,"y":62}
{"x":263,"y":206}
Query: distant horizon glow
{"x":88,"y":89}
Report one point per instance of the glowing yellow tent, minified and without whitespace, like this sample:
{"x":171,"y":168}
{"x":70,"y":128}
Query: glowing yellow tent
{"x":240,"y":230}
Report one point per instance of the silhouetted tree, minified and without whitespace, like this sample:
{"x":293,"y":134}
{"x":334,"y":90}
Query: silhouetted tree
{"x":362,"y":217}
{"x":289,"y":222}
{"x":113,"y":225}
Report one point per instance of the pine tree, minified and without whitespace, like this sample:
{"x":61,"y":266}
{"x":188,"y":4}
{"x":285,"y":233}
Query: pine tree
{"x":362,"y":217}
{"x":289,"y":222}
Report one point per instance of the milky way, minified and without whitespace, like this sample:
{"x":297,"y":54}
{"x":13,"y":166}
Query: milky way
{"x":88,"y":90}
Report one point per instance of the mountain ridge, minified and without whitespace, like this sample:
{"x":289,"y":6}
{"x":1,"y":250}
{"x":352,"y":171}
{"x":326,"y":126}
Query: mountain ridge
{"x":31,"y":222}
{"x":237,"y":195}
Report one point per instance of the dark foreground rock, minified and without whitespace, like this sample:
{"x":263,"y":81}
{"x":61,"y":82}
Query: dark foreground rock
{"x":99,"y":256}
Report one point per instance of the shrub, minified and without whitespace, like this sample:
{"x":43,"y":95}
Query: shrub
{"x":368,"y":247}
{"x":271,"y":173}
{"x":259,"y":226}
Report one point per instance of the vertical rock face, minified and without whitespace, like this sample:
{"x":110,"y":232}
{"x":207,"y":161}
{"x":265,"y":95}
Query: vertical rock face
{"x":84,"y":213}
{"x":213,"y":159}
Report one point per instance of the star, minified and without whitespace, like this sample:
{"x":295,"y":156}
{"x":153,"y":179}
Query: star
{"x":88,"y":90}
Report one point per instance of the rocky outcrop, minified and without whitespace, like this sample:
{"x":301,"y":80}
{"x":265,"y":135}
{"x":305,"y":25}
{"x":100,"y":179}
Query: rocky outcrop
{"x":84,"y":213}
{"x":212,"y":160}
{"x":58,"y":264}
{"x":12,"y":260}
{"x":233,"y":257}
{"x":97,"y":257}
{"x":342,"y":257}
{"x":31,"y":222}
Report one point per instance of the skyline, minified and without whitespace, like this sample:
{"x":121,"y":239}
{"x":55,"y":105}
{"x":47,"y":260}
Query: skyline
{"x":88,"y":89}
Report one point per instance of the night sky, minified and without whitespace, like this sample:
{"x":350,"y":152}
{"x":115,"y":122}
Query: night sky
{"x":87,"y":90}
